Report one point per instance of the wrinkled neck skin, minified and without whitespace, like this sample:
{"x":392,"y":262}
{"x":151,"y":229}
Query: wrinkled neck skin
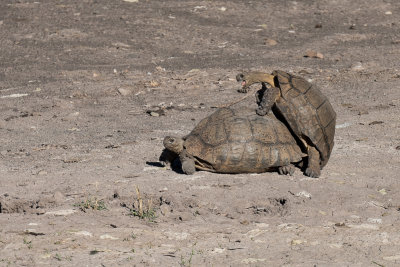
{"x":259,"y":77}
{"x":174,"y":144}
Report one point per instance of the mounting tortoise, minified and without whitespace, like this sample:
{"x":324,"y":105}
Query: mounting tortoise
{"x":229,"y":141}
{"x":301,"y":105}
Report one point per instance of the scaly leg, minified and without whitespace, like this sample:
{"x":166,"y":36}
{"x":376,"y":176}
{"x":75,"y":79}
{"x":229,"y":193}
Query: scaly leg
{"x":313,"y":168}
{"x":188,"y":164}
{"x":288,"y":169}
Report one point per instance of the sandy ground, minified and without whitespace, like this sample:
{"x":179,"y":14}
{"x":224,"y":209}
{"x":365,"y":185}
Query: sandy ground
{"x":77,"y":144}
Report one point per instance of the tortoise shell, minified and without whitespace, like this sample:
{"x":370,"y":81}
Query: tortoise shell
{"x":230,"y":142}
{"x":307,"y":111}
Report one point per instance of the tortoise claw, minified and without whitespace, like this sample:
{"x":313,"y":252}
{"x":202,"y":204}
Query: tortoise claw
{"x":312,"y":173}
{"x":286,"y":170}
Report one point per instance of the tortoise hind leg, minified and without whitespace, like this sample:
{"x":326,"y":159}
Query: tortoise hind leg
{"x":188,"y":164}
{"x":286,"y":170}
{"x":313,"y":168}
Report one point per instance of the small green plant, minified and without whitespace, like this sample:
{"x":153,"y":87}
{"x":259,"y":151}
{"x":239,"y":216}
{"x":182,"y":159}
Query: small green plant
{"x":141,"y":210}
{"x":187,"y":262}
{"x":58,"y":257}
{"x":28,"y":243}
{"x":91,"y":203}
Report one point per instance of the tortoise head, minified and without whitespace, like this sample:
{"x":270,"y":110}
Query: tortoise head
{"x":173,"y":143}
{"x":252,"y":77}
{"x":241,"y":77}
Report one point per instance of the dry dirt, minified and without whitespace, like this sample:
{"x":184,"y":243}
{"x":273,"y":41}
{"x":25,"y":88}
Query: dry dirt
{"x":77,"y":78}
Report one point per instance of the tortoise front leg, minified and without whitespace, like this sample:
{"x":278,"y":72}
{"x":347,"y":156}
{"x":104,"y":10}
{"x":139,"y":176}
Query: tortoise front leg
{"x":268,"y":98}
{"x":287,"y":170}
{"x":188,"y":164}
{"x":313,"y":168}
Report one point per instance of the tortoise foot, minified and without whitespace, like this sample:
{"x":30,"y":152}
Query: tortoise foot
{"x":286,"y":170}
{"x":313,"y":173}
{"x":188,"y":166}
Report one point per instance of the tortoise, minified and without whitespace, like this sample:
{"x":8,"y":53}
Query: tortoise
{"x":303,"y":108}
{"x":229,"y":141}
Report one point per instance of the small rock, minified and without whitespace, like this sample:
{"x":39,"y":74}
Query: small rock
{"x":314,"y":54}
{"x":357,"y":66}
{"x":397,"y":147}
{"x":154,"y":114}
{"x":252,"y":260}
{"x":392,"y":258}
{"x":364,"y":226}
{"x":318,"y":25}
{"x":343,"y":125}
{"x":388,"y":13}
{"x":352,"y":27}
{"x":374,"y":220}
{"x":296,"y":242}
{"x":375,"y":122}
{"x":165,"y":209}
{"x":270,"y":42}
{"x":177,"y":236}
{"x":218,"y":250}
{"x":107,"y":236}
{"x":383,"y":190}
{"x":255,"y":232}
{"x":60,"y":212}
{"x":124,"y":91}
{"x":303,"y":194}
{"x":13,"y":96}
{"x":42,"y":172}
{"x":84,"y":233}
{"x":363,"y":112}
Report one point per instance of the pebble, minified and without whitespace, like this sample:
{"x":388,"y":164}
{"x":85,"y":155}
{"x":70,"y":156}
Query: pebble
{"x":107,"y":236}
{"x":154,"y":114}
{"x":392,"y":258}
{"x":13,"y":95}
{"x":60,"y":212}
{"x":383,"y":190}
{"x":165,"y":209}
{"x":314,"y":54}
{"x":343,"y":125}
{"x":42,"y":172}
{"x":84,"y":233}
{"x":364,"y":226}
{"x":270,"y":42}
{"x":357,"y":66}
{"x":252,"y":260}
{"x":374,"y":220}
{"x":124,"y":91}
{"x":177,"y":236}
{"x":303,"y":194}
{"x":218,"y":250}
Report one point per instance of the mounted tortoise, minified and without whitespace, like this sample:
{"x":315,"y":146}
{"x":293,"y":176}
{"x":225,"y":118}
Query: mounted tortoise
{"x":229,"y":141}
{"x":307,"y":112}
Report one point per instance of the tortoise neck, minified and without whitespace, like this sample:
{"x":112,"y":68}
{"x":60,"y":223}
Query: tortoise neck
{"x":262,"y":77}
